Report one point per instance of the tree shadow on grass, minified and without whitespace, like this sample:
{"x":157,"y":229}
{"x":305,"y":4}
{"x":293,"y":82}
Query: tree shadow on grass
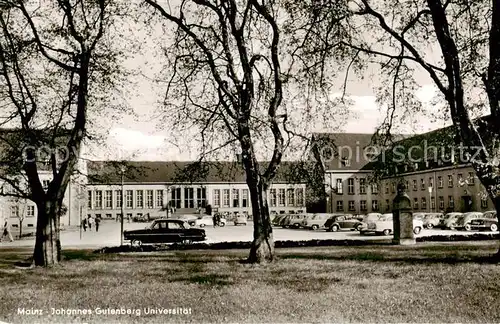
{"x":412,"y":259}
{"x":306,"y":284}
{"x":16,"y":260}
{"x":83,"y":255}
{"x":209,"y":279}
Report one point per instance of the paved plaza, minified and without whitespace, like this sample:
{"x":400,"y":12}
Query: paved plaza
{"x":109,"y":235}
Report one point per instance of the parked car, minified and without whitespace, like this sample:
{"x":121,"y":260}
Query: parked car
{"x":190,"y":218}
{"x":240,"y":220}
{"x":315,"y":221}
{"x":385,"y":225}
{"x":277,"y":219}
{"x":363,"y":223}
{"x":463,"y":221}
{"x":295,"y":220}
{"x":449,"y":220}
{"x":165,"y":231}
{"x":208,"y":221}
{"x":468,"y":221}
{"x":341,"y":222}
{"x":489,"y":221}
{"x":285,"y":220}
{"x":432,"y":219}
{"x":147,"y":217}
{"x":420,"y":216}
{"x":490,"y":214}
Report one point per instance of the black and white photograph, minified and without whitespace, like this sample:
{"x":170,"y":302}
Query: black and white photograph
{"x":249,"y":161}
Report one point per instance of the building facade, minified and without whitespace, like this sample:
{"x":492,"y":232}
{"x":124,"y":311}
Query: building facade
{"x":155,"y":187}
{"x":450,"y":188}
{"x":24,"y":211}
{"x":349,"y":184}
{"x":427,"y":164}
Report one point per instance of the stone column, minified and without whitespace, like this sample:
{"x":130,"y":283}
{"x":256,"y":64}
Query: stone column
{"x":402,"y":218}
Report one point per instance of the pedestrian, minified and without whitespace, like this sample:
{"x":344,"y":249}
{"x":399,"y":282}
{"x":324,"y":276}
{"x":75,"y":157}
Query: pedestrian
{"x":84,"y":224}
{"x":214,"y":218}
{"x":7,"y":232}
{"x":90,"y":222}
{"x":97,"y":221}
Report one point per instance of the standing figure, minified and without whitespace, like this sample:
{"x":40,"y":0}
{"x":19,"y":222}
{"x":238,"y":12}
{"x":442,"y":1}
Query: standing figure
{"x":6,"y":231}
{"x":97,"y":221}
{"x":90,"y":222}
{"x":84,"y":224}
{"x":214,"y":218}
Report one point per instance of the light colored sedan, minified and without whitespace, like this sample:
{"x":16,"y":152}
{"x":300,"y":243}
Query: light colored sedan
{"x":240,"y":220}
{"x":315,"y":221}
{"x":384,"y":225}
{"x":208,"y":221}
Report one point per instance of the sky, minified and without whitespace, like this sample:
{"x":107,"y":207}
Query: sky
{"x":141,"y":138}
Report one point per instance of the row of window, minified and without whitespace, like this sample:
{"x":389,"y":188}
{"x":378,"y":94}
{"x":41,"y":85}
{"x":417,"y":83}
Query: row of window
{"x":436,"y":161}
{"x":176,"y":200}
{"x":236,"y":198}
{"x":109,"y":199}
{"x":15,"y":211}
{"x":339,"y":187}
{"x":226,"y":198}
{"x":277,"y":197}
{"x":451,"y":203}
{"x":294,"y":197}
{"x":440,"y":182}
{"x":417,"y":204}
{"x":351,"y":205}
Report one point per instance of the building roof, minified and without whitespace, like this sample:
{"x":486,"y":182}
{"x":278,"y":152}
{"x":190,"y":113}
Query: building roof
{"x":109,"y":172}
{"x":434,"y":149}
{"x":347,"y":151}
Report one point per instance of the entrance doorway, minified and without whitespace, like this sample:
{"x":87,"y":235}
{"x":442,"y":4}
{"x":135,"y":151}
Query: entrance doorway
{"x":466,"y":204}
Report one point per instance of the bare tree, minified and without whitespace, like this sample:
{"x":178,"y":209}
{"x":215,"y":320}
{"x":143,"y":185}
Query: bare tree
{"x":235,"y":81}
{"x":21,"y":206}
{"x":454,"y":45}
{"x":55,"y":57}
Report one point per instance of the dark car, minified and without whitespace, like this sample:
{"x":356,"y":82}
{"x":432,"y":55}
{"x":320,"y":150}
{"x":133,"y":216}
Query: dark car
{"x":285,"y":221}
{"x":488,"y":222}
{"x":165,"y":231}
{"x":148,"y":217}
{"x":278,"y":219}
{"x":340,"y":222}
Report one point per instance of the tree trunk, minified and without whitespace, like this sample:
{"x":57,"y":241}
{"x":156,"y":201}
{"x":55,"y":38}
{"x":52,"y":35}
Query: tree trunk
{"x":496,"y":201}
{"x":47,"y":245}
{"x":262,"y":249}
{"x":20,"y":228}
{"x":491,"y":181}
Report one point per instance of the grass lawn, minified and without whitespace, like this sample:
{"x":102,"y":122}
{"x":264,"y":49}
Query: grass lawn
{"x":429,"y":282}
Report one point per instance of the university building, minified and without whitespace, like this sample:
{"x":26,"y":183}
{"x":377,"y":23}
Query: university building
{"x":429,"y":165}
{"x":149,"y":187}
{"x":435,"y":172}
{"x":358,"y":179}
{"x":349,"y":184}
